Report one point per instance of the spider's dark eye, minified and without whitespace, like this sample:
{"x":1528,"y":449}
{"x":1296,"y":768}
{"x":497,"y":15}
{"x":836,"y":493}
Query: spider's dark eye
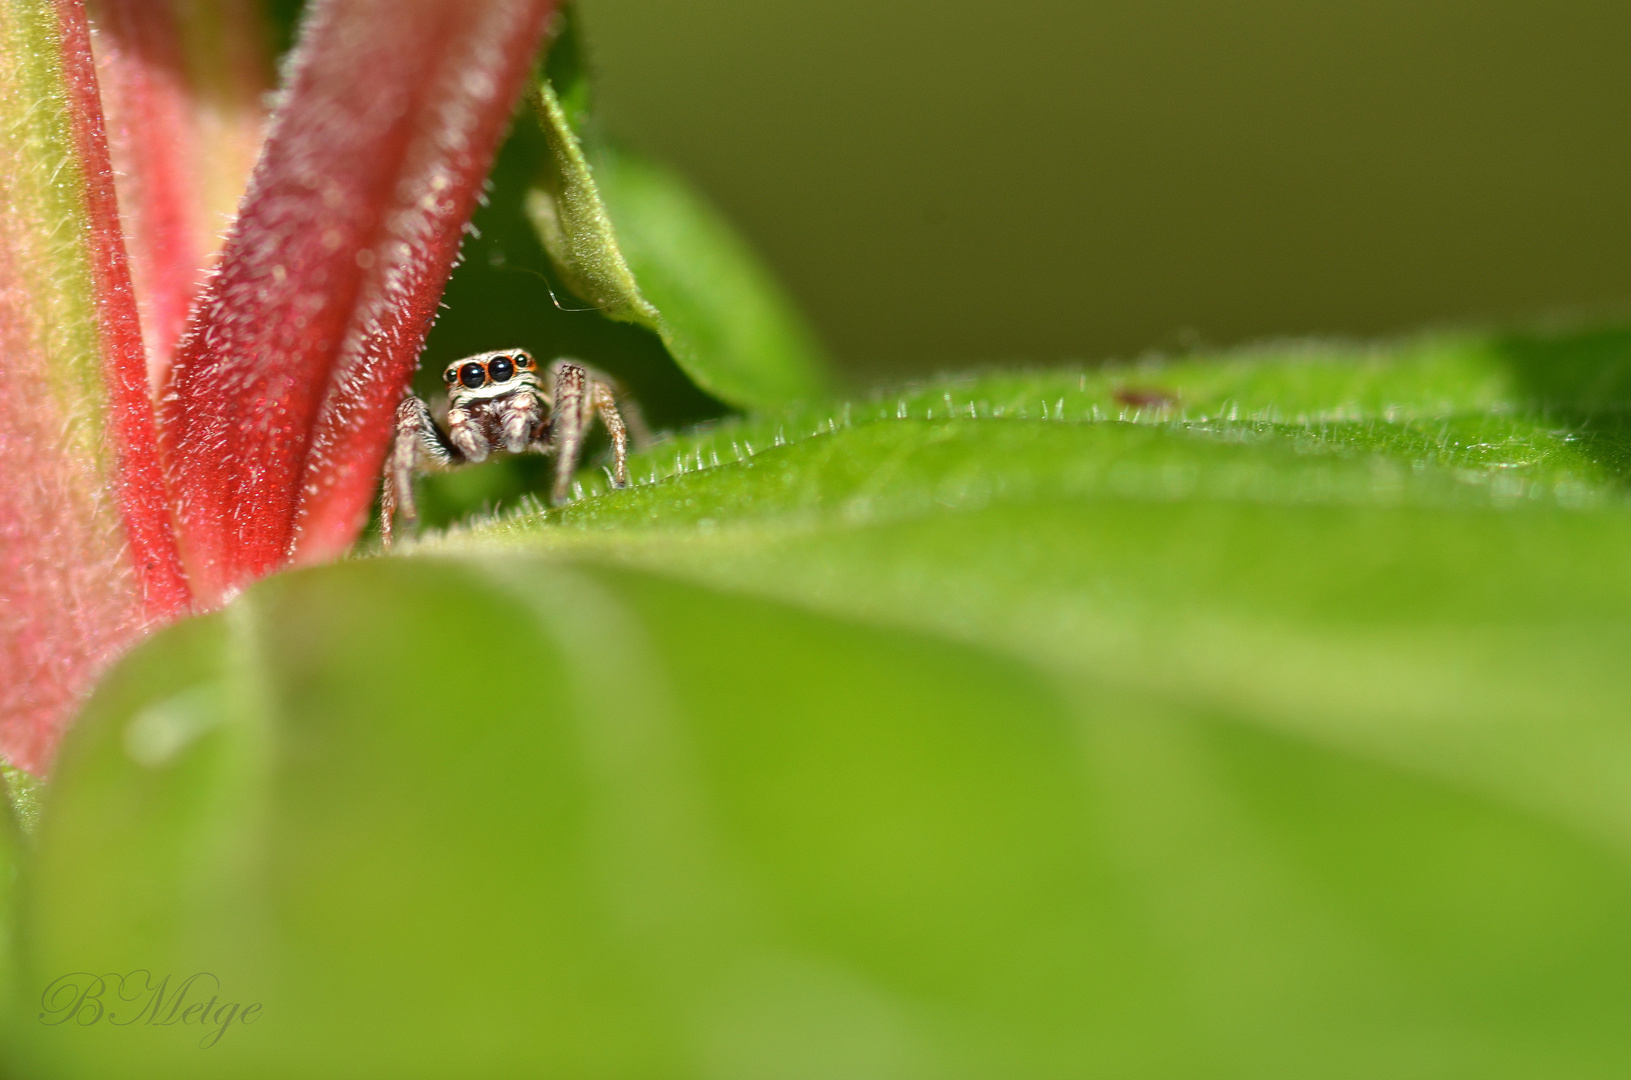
{"x":450,"y":376}
{"x":472,"y":375}
{"x":523,"y":361}
{"x":500,"y":368}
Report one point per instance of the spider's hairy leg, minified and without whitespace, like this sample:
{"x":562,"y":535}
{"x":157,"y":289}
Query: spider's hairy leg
{"x":419,"y":443}
{"x":522,"y":416}
{"x":466,"y":437}
{"x":580,"y":396}
{"x":524,"y":419}
{"x":567,"y":381}
{"x":604,"y":403}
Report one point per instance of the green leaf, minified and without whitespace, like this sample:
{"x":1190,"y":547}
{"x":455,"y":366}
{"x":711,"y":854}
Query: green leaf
{"x":1259,"y":716}
{"x":10,"y":852}
{"x":23,"y":790}
{"x":1394,"y":551}
{"x":634,"y":240}
{"x":677,"y":830}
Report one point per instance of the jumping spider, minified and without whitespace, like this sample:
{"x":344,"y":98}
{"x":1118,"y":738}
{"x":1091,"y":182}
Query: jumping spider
{"x":497,"y":401}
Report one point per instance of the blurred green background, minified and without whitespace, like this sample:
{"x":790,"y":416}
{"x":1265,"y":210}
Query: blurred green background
{"x":944,"y":183}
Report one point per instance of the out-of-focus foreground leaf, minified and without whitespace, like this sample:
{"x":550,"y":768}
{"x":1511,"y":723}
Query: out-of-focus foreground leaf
{"x":633,"y":239}
{"x":1259,"y":717}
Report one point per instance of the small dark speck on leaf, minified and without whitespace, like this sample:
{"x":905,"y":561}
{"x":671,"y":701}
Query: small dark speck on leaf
{"x":1144,"y":397}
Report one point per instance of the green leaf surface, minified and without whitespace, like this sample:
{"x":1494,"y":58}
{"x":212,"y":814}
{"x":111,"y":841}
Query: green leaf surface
{"x":1249,"y":716}
{"x":10,"y":857}
{"x":633,"y":239}
{"x":1392,"y":550}
{"x":23,"y":790}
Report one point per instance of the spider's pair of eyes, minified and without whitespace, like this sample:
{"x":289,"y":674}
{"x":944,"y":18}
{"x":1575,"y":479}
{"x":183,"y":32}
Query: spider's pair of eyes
{"x":498,"y":369}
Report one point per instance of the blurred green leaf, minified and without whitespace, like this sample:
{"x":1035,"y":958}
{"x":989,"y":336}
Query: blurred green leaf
{"x":10,"y":852}
{"x":23,"y":791}
{"x":1260,"y":716}
{"x":633,"y":240}
{"x":679,"y":831}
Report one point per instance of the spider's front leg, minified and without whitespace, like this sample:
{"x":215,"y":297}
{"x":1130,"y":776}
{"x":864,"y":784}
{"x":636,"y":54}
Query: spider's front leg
{"x":419,"y":444}
{"x":579,"y":395}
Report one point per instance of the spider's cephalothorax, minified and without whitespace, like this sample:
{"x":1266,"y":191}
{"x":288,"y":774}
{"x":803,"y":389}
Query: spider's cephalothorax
{"x":500,"y":401}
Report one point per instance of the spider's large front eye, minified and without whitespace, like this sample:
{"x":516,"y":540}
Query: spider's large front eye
{"x":500,"y":368}
{"x":472,"y":375}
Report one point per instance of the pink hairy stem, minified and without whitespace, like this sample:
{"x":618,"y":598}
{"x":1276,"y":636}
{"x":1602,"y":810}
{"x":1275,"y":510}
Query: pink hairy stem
{"x":138,"y":482}
{"x":88,"y":558}
{"x":183,"y":89}
{"x":275,"y":421}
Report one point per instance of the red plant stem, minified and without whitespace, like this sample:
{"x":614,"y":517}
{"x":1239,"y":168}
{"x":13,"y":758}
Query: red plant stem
{"x":138,"y":482}
{"x":88,"y":558}
{"x":182,"y":94}
{"x":282,"y":391}
{"x":144,"y":99}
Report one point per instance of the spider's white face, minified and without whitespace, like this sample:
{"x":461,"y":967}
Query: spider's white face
{"x":490,"y":375}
